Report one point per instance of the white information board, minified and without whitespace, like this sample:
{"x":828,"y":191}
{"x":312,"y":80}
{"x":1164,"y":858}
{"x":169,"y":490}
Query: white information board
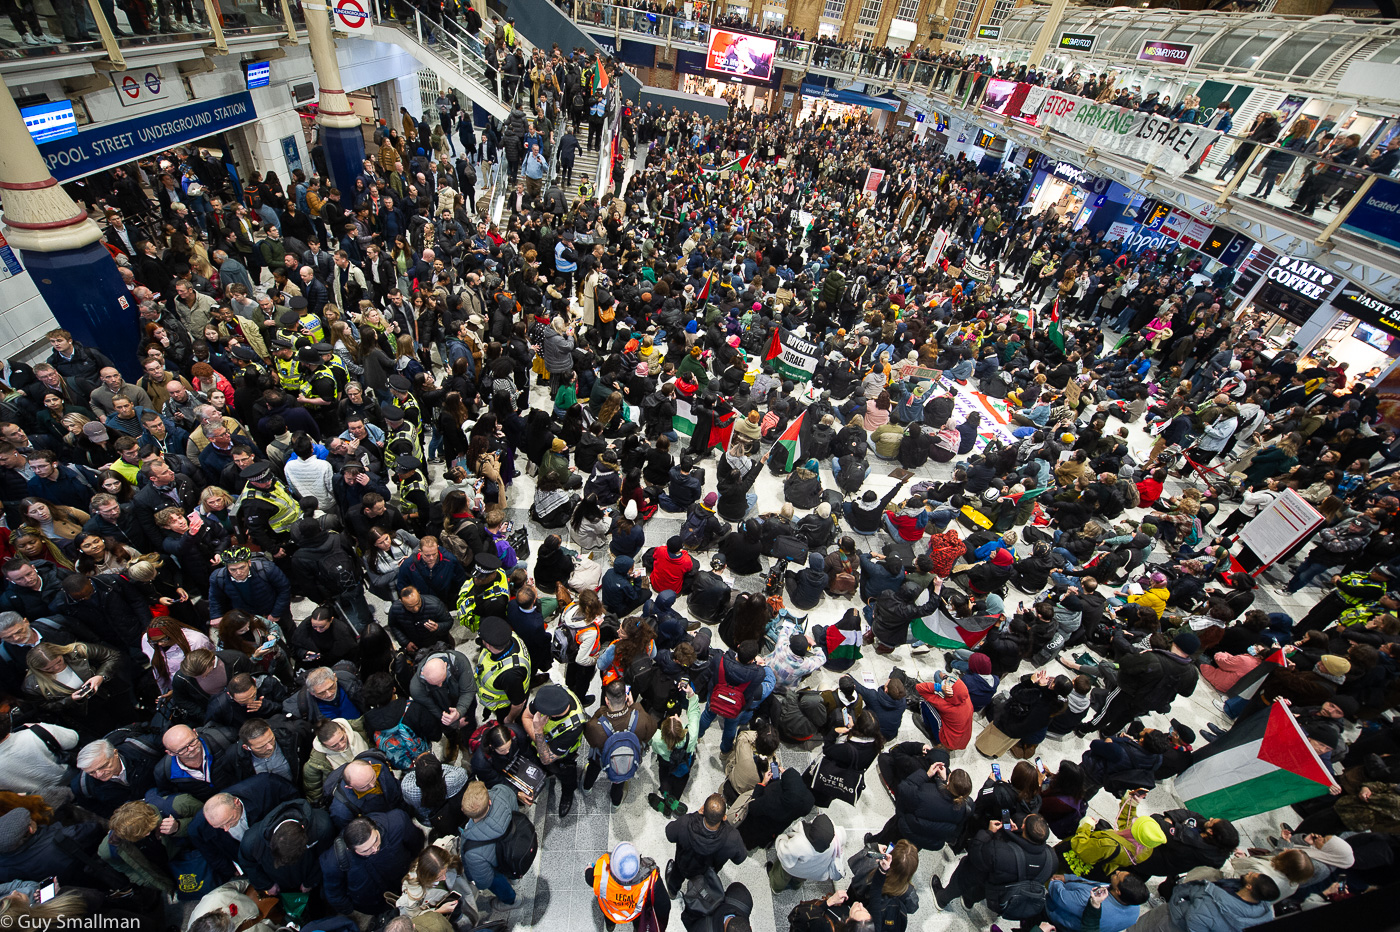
{"x":1287,"y":520}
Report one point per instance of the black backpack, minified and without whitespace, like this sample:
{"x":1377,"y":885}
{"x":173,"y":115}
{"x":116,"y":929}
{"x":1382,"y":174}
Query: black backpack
{"x":1024,"y":899}
{"x":338,"y":574}
{"x":516,"y":849}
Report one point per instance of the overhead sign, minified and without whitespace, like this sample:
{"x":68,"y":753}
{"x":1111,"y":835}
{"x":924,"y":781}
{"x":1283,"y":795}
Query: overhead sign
{"x":139,"y":86}
{"x":9,"y":265}
{"x":1077,"y":41}
{"x":1301,"y":277}
{"x":54,"y":119}
{"x":1168,"y":146}
{"x":351,"y":16}
{"x":1165,"y":53}
{"x":259,"y":74}
{"x":109,"y":144}
{"x":989,"y":32}
{"x":1378,"y":214}
{"x":1195,"y":233}
{"x":1368,"y":308}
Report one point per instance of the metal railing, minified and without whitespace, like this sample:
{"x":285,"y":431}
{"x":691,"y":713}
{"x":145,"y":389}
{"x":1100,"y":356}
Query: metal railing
{"x":951,"y":86}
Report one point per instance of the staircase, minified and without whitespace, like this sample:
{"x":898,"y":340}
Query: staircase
{"x":585,"y":166}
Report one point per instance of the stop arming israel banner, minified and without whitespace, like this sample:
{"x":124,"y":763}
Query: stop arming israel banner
{"x":1169,"y":146}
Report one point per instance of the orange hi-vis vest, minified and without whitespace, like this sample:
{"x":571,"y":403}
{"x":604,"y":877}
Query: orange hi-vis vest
{"x":618,"y":901}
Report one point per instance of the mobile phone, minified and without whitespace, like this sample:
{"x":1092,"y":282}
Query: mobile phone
{"x":773,"y":769}
{"x":1040,"y":765}
{"x":684,"y":683}
{"x":82,"y":692}
{"x":877,"y":851}
{"x":1101,"y":890}
{"x":270,"y":642}
{"x":996,"y":772}
{"x":47,"y":891}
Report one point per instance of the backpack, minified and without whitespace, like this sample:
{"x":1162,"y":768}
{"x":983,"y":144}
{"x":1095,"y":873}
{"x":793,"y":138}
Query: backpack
{"x":692,"y":532}
{"x":515,"y":850}
{"x":726,"y":699}
{"x":1024,"y":899}
{"x":564,"y":645}
{"x":401,"y":746}
{"x":622,"y":750}
{"x":337,"y":576}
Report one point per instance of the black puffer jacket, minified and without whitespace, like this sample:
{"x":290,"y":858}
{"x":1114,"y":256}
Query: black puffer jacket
{"x":513,"y":136}
{"x":928,"y":815}
{"x":805,"y":586}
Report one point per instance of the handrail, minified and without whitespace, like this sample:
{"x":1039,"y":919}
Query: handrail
{"x":453,"y":44}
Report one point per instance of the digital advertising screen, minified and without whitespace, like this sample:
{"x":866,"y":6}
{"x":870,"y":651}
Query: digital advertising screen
{"x":741,"y":54}
{"x":52,"y":120}
{"x":259,"y":74}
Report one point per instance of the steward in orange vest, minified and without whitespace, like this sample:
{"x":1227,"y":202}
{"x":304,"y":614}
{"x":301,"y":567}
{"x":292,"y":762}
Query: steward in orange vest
{"x":624,"y":883}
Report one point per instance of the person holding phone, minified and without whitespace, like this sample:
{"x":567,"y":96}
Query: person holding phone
{"x":1072,"y":902}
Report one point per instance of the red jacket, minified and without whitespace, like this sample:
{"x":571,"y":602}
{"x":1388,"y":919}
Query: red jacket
{"x":906,"y":524}
{"x":1149,"y":490}
{"x":954,"y":711}
{"x":667,"y":571}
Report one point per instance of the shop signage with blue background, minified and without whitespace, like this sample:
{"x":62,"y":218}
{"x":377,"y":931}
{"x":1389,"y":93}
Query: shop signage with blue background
{"x":1378,"y":214}
{"x":110,"y":144}
{"x":641,"y":54}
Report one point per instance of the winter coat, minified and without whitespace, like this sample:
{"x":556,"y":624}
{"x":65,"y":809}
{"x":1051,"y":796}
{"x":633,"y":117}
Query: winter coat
{"x":1202,"y":906}
{"x":479,"y":860}
{"x":928,"y":815}
{"x":255,"y":851}
{"x":363,"y":881}
{"x":800,"y":859}
{"x":775,"y":805}
{"x":802,"y":488}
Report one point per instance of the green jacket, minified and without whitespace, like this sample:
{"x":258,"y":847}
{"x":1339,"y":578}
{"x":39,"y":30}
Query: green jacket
{"x":132,"y":861}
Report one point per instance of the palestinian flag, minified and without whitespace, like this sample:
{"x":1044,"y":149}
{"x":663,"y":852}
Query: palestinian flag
{"x":740,"y":164}
{"x":1248,"y":685}
{"x":721,"y":429}
{"x":939,"y":630}
{"x":842,"y":644}
{"x":684,"y":420}
{"x":1053,"y":331}
{"x":1263,"y":763}
{"x":786,"y":445}
{"x":704,"y":294}
{"x":597,"y":74}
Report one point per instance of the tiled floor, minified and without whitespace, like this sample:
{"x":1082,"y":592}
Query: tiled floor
{"x":555,"y":897}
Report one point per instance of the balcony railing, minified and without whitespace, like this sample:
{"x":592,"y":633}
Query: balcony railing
{"x":947,"y":84}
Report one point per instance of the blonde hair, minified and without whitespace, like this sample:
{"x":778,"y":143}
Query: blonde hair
{"x":212,"y":492}
{"x":133,"y":821}
{"x":475,"y":800}
{"x":45,"y":653}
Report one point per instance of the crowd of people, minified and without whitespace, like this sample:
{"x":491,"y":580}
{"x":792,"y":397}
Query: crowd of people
{"x":397,"y":540}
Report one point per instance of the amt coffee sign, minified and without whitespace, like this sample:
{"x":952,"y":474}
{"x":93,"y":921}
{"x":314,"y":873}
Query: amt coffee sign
{"x":1302,"y":277}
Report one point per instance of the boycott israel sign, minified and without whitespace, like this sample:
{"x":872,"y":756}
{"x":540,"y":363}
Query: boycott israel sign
{"x":1169,"y":146}
{"x":797,"y":358}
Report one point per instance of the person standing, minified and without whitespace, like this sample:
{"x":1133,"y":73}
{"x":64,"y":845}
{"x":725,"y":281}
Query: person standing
{"x":625,"y":885}
{"x":554,"y":721}
{"x":704,"y":841}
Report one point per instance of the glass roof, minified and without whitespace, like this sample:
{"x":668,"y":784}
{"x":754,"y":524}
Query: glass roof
{"x":1311,"y":51}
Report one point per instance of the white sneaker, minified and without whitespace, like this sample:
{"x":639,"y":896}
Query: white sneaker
{"x":50,"y":40}
{"x":29,"y":39}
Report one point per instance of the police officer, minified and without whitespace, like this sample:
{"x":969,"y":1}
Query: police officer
{"x":337,"y":365}
{"x":413,"y":489}
{"x":299,"y":320}
{"x":396,"y":427}
{"x":403,"y":398}
{"x":624,"y":882}
{"x":502,"y":670}
{"x":486,"y":594}
{"x":286,"y":367}
{"x":250,"y":380}
{"x":554,"y":721}
{"x":321,"y":388}
{"x":266,"y":509}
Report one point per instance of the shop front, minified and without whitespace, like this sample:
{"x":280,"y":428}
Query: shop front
{"x":1071,"y":192}
{"x":1364,"y":334}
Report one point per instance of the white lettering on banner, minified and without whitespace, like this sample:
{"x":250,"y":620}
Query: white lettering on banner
{"x":1169,"y":146}
{"x":105,"y":146}
{"x":1301,"y":277}
{"x":798,"y":358}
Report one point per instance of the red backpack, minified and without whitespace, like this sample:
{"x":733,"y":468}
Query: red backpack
{"x":726,"y":699}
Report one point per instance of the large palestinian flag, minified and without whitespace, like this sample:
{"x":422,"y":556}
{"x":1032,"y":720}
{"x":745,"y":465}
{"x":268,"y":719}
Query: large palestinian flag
{"x":939,"y":630}
{"x":1263,"y":763}
{"x":738,"y":165}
